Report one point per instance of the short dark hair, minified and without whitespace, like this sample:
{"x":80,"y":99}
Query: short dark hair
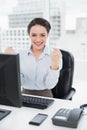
{"x":39,"y":21}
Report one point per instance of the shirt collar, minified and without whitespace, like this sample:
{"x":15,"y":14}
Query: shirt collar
{"x":45,"y":52}
{"x":29,"y":50}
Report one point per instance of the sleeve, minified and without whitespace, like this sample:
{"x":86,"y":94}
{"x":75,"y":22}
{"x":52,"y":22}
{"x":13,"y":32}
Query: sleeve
{"x":53,"y":76}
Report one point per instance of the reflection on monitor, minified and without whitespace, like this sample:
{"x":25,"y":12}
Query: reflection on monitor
{"x":10,"y":84}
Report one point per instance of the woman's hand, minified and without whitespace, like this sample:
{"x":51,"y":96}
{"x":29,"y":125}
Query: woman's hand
{"x":9,"y":50}
{"x":55,"y":57}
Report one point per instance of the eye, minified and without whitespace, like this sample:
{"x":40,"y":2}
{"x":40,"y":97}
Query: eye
{"x":33,"y":35}
{"x":43,"y":35}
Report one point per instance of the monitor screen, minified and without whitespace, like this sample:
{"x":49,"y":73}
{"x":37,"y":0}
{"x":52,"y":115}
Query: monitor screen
{"x":10,"y":84}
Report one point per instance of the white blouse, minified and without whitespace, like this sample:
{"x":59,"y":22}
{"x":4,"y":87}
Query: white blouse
{"x":36,"y":73}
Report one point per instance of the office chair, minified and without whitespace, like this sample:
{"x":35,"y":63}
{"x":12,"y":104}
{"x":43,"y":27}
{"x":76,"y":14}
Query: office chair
{"x":63,"y":88}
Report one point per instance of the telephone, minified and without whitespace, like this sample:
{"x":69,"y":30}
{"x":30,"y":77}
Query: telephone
{"x":67,"y":117}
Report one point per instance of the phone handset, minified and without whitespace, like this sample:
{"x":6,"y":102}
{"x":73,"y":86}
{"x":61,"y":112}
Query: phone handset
{"x":75,"y":114}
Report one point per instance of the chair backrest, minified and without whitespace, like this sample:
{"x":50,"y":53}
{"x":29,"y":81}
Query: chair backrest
{"x":64,"y":84}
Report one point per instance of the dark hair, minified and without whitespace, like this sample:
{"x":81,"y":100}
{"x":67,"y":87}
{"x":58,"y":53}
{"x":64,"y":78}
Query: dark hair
{"x":39,"y":21}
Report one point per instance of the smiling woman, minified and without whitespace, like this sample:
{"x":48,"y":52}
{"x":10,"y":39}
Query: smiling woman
{"x":40,"y":68}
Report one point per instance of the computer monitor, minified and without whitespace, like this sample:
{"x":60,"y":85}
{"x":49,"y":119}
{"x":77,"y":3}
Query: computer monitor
{"x":10,"y":84}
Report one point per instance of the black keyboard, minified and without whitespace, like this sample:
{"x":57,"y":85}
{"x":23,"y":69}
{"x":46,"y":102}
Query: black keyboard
{"x":36,"y":102}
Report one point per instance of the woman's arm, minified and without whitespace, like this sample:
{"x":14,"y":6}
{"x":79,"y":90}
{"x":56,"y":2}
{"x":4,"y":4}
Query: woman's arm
{"x":53,"y":74}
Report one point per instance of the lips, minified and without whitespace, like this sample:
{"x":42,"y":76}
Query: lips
{"x":38,"y":44}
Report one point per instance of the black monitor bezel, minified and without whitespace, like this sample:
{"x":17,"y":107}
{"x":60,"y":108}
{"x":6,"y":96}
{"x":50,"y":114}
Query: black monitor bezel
{"x":10,"y":93}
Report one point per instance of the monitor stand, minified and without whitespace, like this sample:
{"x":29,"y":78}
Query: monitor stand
{"x":4,"y":113}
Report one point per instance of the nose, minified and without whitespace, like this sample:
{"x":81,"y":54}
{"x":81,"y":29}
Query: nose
{"x":38,"y":38}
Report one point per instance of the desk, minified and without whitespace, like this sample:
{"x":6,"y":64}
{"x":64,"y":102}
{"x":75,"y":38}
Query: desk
{"x":19,"y":117}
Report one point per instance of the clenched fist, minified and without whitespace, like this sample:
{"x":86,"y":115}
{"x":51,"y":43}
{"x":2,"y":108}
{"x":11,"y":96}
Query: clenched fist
{"x":55,"y":57}
{"x":9,"y":50}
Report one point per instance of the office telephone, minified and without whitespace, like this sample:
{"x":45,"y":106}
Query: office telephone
{"x":67,"y":117}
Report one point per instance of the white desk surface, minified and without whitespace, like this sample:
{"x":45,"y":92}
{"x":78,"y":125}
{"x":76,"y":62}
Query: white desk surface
{"x":19,"y":117}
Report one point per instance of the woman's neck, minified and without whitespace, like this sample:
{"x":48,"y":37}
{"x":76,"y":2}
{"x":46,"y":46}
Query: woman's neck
{"x":36,"y":52}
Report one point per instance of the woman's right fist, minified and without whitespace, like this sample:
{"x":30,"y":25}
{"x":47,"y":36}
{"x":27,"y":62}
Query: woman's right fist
{"x":9,"y":50}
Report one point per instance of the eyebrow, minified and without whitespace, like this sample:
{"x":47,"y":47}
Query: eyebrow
{"x":36,"y":33}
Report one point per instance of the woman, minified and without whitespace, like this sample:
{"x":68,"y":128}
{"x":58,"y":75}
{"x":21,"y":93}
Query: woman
{"x":40,"y":69}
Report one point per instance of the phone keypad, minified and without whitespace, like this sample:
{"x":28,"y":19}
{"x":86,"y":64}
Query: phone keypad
{"x":62,"y":113}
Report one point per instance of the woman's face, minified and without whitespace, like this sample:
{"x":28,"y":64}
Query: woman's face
{"x":38,"y":36}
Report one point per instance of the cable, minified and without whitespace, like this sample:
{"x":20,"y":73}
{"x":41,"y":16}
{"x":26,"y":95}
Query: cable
{"x":83,"y":107}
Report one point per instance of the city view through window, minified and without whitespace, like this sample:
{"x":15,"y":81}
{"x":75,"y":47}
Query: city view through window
{"x":68,"y":20}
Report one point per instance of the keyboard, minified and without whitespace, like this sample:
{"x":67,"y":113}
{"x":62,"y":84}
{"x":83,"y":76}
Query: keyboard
{"x":36,"y":102}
